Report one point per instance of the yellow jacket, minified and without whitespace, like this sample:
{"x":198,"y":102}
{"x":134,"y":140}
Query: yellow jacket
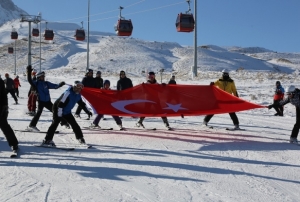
{"x":227,"y":85}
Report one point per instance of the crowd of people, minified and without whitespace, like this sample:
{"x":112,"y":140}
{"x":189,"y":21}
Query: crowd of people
{"x":62,"y":107}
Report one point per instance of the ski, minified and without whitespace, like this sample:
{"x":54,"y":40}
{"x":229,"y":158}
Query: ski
{"x":234,"y":129}
{"x":88,"y":128}
{"x":14,"y":154}
{"x":141,"y":128}
{"x":28,"y":131}
{"x":56,"y":147}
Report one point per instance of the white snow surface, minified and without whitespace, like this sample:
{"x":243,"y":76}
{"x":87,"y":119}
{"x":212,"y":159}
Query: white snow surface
{"x":191,"y":163}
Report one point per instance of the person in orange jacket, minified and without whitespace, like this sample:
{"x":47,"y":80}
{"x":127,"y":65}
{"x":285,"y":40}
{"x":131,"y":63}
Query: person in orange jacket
{"x":17,"y":85}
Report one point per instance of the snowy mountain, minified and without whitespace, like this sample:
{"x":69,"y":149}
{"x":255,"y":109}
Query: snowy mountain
{"x":9,"y":11}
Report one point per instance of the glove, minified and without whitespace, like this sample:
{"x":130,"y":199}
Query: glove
{"x":61,"y":84}
{"x":59,"y":113}
{"x":212,"y":83}
{"x":270,"y":106}
{"x":29,"y":68}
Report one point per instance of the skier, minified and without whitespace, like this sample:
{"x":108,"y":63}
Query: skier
{"x":172,"y":80}
{"x":124,"y":82}
{"x":17,"y":85}
{"x":227,"y":84}
{"x":87,"y":81}
{"x":95,"y":124}
{"x":278,"y":96}
{"x":10,"y":87}
{"x":62,"y":108}
{"x":152,"y":80}
{"x":32,"y":96}
{"x":5,"y":127}
{"x":42,"y":89}
{"x":98,"y":80}
{"x":293,"y":97}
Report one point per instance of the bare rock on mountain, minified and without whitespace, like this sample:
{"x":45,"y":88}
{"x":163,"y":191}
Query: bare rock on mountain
{"x":9,"y":11}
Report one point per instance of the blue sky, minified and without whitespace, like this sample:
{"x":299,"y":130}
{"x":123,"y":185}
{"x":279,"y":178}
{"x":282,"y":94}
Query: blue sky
{"x":271,"y":24}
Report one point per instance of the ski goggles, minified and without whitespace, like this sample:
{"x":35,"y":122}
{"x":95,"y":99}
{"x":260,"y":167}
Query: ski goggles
{"x":78,"y":85}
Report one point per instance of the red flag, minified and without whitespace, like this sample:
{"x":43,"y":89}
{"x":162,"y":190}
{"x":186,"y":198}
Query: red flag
{"x":165,"y":100}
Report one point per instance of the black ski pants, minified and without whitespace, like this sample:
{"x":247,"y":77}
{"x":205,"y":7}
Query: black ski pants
{"x":12,"y":92}
{"x":70,"y":119}
{"x":232,"y":115}
{"x":78,"y":110}
{"x":165,"y":120}
{"x":278,"y":108}
{"x":48,"y":105}
{"x":17,"y":92}
{"x":295,"y":130}
{"x":6,"y":129}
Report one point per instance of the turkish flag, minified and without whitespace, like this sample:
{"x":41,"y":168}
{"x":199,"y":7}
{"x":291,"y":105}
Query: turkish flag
{"x":165,"y":100}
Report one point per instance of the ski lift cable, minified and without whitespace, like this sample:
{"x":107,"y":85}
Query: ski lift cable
{"x":139,"y":11}
{"x":100,"y":13}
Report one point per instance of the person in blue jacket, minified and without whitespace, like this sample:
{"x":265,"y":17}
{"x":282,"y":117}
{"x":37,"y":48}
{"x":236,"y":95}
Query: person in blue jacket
{"x":42,"y":89}
{"x":62,"y":108}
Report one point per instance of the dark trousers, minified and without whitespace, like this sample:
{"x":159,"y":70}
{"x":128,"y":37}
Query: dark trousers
{"x":278,"y":108}
{"x":78,"y":110}
{"x":7,"y":130}
{"x":70,"y":119}
{"x":12,"y":92}
{"x":99,"y":116}
{"x":48,"y":105}
{"x":165,"y":120}
{"x":17,"y":92}
{"x":295,"y":130}
{"x":232,"y":115}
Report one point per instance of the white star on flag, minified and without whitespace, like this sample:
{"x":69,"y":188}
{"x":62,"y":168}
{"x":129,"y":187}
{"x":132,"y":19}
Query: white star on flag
{"x":175,"y":108}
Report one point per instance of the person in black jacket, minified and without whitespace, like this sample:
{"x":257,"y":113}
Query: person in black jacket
{"x":172,"y":80}
{"x":98,"y":80}
{"x":10,"y":87}
{"x":90,"y":82}
{"x":124,"y":82}
{"x":5,"y":127}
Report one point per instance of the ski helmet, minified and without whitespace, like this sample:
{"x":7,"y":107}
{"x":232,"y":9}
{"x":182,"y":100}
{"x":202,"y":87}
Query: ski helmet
{"x":291,"y":89}
{"x":40,"y":74}
{"x":106,"y":82}
{"x":225,"y":71}
{"x":278,"y":82}
{"x":78,"y":84}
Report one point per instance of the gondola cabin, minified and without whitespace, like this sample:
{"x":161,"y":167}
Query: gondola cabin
{"x":49,"y":34}
{"x":10,"y":50}
{"x":35,"y":32}
{"x":124,"y":27}
{"x":14,"y":35}
{"x":185,"y":23}
{"x":80,"y":35}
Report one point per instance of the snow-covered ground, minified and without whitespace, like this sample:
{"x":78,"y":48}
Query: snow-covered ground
{"x":191,"y":163}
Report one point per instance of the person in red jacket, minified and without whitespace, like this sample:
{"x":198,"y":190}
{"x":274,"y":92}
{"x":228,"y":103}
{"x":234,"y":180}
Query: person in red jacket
{"x":32,"y":97}
{"x":17,"y":84}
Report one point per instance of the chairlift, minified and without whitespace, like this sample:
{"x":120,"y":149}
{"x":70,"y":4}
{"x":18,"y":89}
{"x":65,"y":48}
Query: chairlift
{"x":10,"y":50}
{"x":14,"y":35}
{"x":35,"y":32}
{"x":80,"y":34}
{"x":48,"y":34}
{"x":185,"y":22}
{"x":123,"y":27}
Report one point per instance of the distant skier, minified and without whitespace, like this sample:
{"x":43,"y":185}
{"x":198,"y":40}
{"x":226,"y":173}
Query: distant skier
{"x":32,"y":96}
{"x":278,"y":96}
{"x":152,"y":80}
{"x":5,"y":127}
{"x":17,"y":85}
{"x":95,"y":124}
{"x":10,"y":87}
{"x":62,"y":108}
{"x":293,"y":97}
{"x":42,"y":89}
{"x":227,"y":84}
